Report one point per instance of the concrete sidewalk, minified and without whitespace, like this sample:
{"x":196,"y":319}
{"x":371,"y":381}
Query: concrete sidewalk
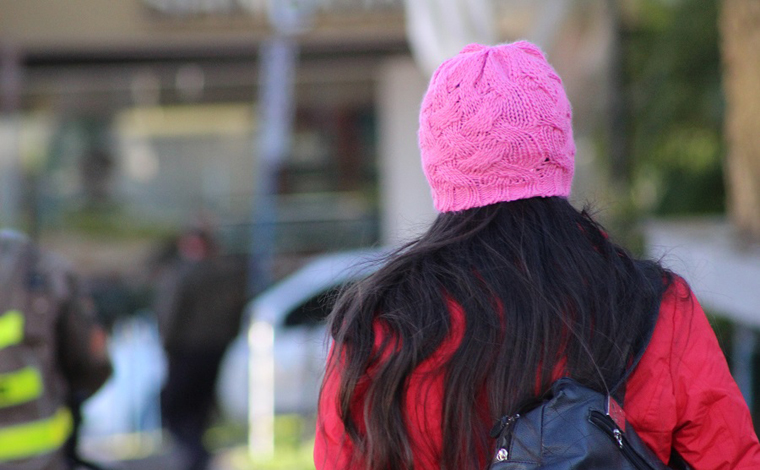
{"x":150,"y":453}
{"x":165,"y":461}
{"x":235,"y":457}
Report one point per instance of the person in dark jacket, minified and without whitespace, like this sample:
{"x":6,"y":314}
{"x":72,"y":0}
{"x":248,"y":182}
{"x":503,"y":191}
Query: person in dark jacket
{"x":199,"y":307}
{"x":52,"y":356}
{"x":509,"y":290}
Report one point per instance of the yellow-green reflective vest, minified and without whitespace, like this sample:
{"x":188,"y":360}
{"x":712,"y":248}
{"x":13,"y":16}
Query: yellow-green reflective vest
{"x":21,"y":386}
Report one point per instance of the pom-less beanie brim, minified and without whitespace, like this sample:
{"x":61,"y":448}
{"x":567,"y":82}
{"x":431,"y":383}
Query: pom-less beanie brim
{"x":456,"y":194}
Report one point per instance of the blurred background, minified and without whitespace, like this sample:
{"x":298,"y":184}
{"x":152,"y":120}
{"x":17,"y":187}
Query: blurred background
{"x":286,"y":129}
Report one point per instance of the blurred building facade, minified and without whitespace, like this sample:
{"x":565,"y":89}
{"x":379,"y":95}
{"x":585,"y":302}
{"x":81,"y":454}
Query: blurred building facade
{"x":147,"y":109}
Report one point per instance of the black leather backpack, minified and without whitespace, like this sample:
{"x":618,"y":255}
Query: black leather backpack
{"x":575,"y":428}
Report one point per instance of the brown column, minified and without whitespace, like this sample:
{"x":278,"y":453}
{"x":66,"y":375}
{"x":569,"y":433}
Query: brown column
{"x":10,"y":78}
{"x":740,"y":29}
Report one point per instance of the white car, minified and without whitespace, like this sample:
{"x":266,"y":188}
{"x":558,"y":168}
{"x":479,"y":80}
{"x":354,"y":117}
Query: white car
{"x":280,"y":354}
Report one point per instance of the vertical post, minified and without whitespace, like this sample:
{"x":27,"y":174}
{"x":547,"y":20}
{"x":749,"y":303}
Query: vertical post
{"x":279,"y":57}
{"x":261,"y":391}
{"x":11,"y":70}
{"x":278,"y":61}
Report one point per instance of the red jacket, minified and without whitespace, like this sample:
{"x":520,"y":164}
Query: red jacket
{"x":680,"y":396}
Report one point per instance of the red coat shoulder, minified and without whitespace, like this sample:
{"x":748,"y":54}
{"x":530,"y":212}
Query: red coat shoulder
{"x":682,"y":394}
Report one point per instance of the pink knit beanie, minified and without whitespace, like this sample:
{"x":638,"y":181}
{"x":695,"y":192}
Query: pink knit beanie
{"x":495,"y":125}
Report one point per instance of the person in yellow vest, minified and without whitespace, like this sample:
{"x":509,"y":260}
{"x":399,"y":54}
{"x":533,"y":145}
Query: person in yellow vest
{"x":52,"y":355}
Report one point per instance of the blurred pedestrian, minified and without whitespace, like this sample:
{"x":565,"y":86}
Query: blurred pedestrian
{"x":511,"y":289}
{"x":199,"y":305}
{"x":52,"y":357}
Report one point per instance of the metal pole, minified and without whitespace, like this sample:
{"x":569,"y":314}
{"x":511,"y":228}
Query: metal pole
{"x":11,"y":71}
{"x":279,"y":58}
{"x":278,"y":62}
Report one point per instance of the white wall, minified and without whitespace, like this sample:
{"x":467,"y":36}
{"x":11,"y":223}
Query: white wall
{"x":724,"y":275}
{"x":405,"y":202}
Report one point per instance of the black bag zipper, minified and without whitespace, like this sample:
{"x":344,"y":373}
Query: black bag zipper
{"x":502,"y":431}
{"x":608,"y":426}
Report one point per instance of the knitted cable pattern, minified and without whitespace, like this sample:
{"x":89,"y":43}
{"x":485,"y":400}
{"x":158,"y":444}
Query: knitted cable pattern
{"x":496,"y":125}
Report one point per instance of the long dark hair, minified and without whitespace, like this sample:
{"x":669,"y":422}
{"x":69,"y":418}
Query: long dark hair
{"x":540,"y":284}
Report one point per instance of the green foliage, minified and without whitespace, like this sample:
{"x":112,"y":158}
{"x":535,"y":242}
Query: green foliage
{"x":293,"y":442}
{"x":673,"y":79}
{"x":111,"y":222}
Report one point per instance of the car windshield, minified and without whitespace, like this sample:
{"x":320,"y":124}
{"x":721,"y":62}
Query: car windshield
{"x":314,"y":311}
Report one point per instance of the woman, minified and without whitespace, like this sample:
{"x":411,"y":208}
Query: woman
{"x":510,"y":289}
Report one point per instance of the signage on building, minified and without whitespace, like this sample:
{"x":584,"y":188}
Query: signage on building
{"x":261,"y":7}
{"x":205,"y":7}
